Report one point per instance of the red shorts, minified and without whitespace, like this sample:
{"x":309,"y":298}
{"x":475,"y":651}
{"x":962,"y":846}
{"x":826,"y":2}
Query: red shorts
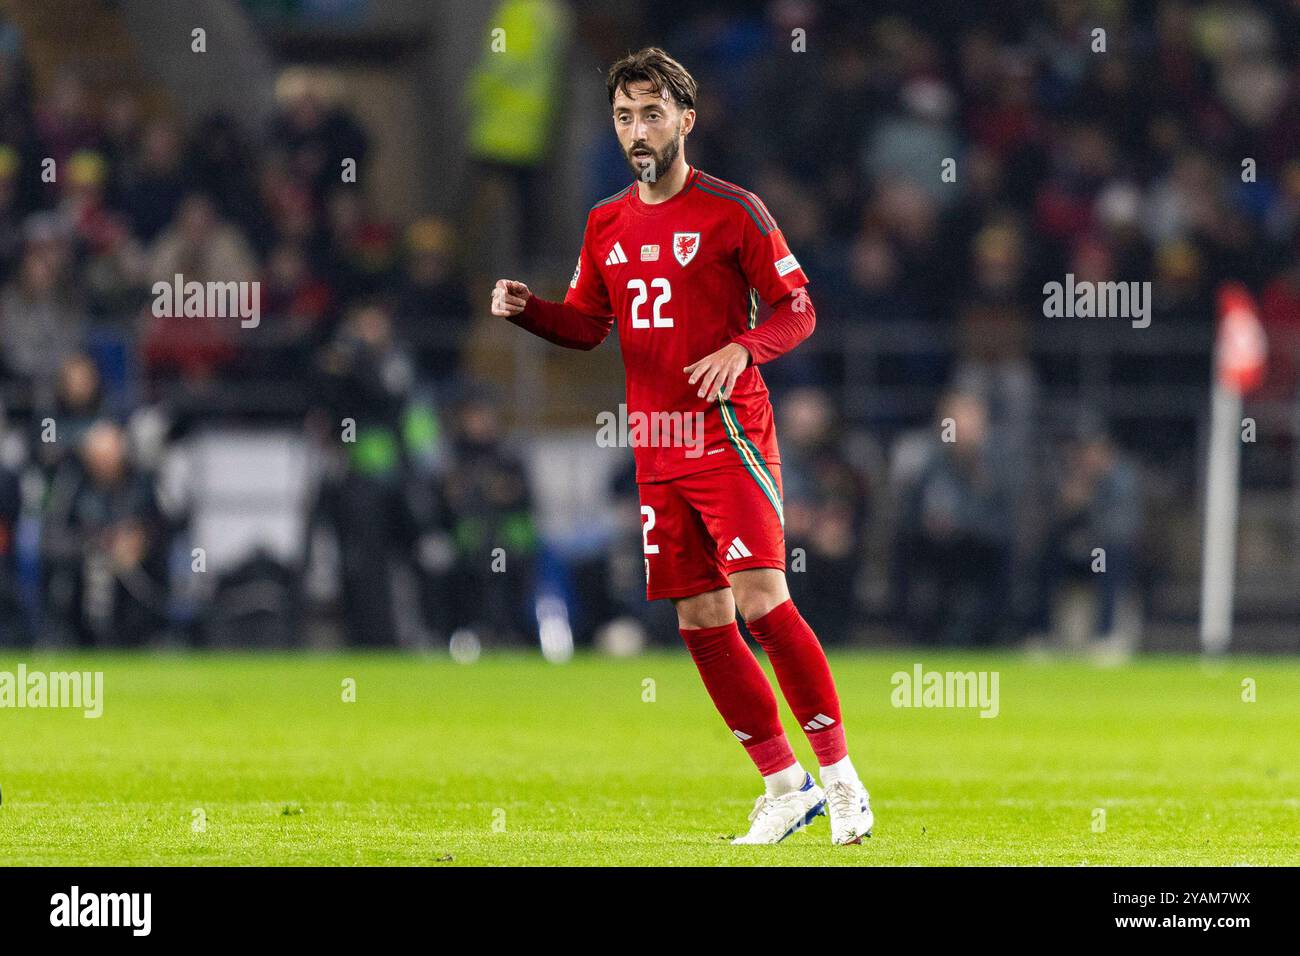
{"x":698,"y":529}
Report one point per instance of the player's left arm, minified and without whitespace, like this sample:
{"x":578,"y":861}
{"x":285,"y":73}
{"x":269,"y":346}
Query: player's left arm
{"x":770,"y":268}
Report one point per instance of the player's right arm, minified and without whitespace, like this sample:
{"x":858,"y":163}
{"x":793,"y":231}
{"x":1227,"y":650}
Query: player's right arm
{"x":582,"y":321}
{"x":557,"y":322}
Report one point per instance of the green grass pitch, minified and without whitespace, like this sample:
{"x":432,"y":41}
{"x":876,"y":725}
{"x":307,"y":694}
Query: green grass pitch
{"x":257,"y":760}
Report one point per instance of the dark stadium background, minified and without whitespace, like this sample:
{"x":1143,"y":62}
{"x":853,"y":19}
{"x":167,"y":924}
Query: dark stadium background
{"x":226,"y":164}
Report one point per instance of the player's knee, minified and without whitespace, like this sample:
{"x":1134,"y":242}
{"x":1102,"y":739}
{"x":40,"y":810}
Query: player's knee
{"x":711,"y":609}
{"x":759,"y":591}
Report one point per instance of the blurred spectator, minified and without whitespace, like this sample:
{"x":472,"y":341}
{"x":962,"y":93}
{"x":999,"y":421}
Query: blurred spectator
{"x":513,"y":97}
{"x":112,"y":260}
{"x":362,"y":249}
{"x":827,"y":506}
{"x":151,"y":187}
{"x":199,"y":246}
{"x":221,"y":165}
{"x":315,"y":136}
{"x":1097,"y":505}
{"x":432,"y":306}
{"x":122,"y":132}
{"x":298,"y":307}
{"x":41,"y":319}
{"x":956,"y":532}
{"x":66,"y":120}
{"x":909,"y":218}
{"x":910,"y":144}
{"x":78,"y":405}
{"x":368,"y":381}
{"x":489,"y":509}
{"x":103,"y":547}
{"x":992,"y":366}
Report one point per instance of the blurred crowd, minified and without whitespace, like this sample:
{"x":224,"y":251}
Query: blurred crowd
{"x":359,"y":342}
{"x":963,"y":524}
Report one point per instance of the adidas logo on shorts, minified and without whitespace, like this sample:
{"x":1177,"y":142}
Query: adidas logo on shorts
{"x":737,"y":550}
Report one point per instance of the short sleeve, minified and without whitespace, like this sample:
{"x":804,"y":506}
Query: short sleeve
{"x":765,"y":259}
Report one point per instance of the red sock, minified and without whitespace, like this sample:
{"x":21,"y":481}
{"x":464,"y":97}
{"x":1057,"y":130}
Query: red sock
{"x":804,"y":676}
{"x":740,"y":691}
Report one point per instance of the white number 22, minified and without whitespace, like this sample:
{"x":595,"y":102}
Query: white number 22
{"x":642,"y":293}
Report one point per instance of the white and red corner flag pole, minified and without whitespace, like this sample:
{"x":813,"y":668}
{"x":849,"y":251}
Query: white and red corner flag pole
{"x":1239,"y":355}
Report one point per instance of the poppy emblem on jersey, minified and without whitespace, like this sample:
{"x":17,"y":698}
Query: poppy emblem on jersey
{"x":685,"y":245}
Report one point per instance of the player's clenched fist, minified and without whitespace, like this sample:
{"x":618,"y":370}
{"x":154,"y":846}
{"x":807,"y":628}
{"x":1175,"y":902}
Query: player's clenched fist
{"x":508,"y":297}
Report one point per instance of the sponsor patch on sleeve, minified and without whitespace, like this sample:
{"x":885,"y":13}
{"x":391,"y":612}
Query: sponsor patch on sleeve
{"x":573,"y":283}
{"x":787,"y":265}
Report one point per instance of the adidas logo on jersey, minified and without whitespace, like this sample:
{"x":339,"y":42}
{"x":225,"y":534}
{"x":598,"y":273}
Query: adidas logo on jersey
{"x":818,"y":722}
{"x":737,"y":550}
{"x":616,"y":256}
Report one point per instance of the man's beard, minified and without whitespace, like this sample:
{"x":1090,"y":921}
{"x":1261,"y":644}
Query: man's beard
{"x":662,"y":161}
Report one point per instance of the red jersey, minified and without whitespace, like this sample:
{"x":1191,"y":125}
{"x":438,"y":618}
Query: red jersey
{"x":682,"y":279}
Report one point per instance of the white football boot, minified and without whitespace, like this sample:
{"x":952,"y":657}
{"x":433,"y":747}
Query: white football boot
{"x":850,"y":811}
{"x":775,"y":818}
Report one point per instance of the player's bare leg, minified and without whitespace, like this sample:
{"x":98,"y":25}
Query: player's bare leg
{"x":743,"y":696}
{"x":806,"y":682}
